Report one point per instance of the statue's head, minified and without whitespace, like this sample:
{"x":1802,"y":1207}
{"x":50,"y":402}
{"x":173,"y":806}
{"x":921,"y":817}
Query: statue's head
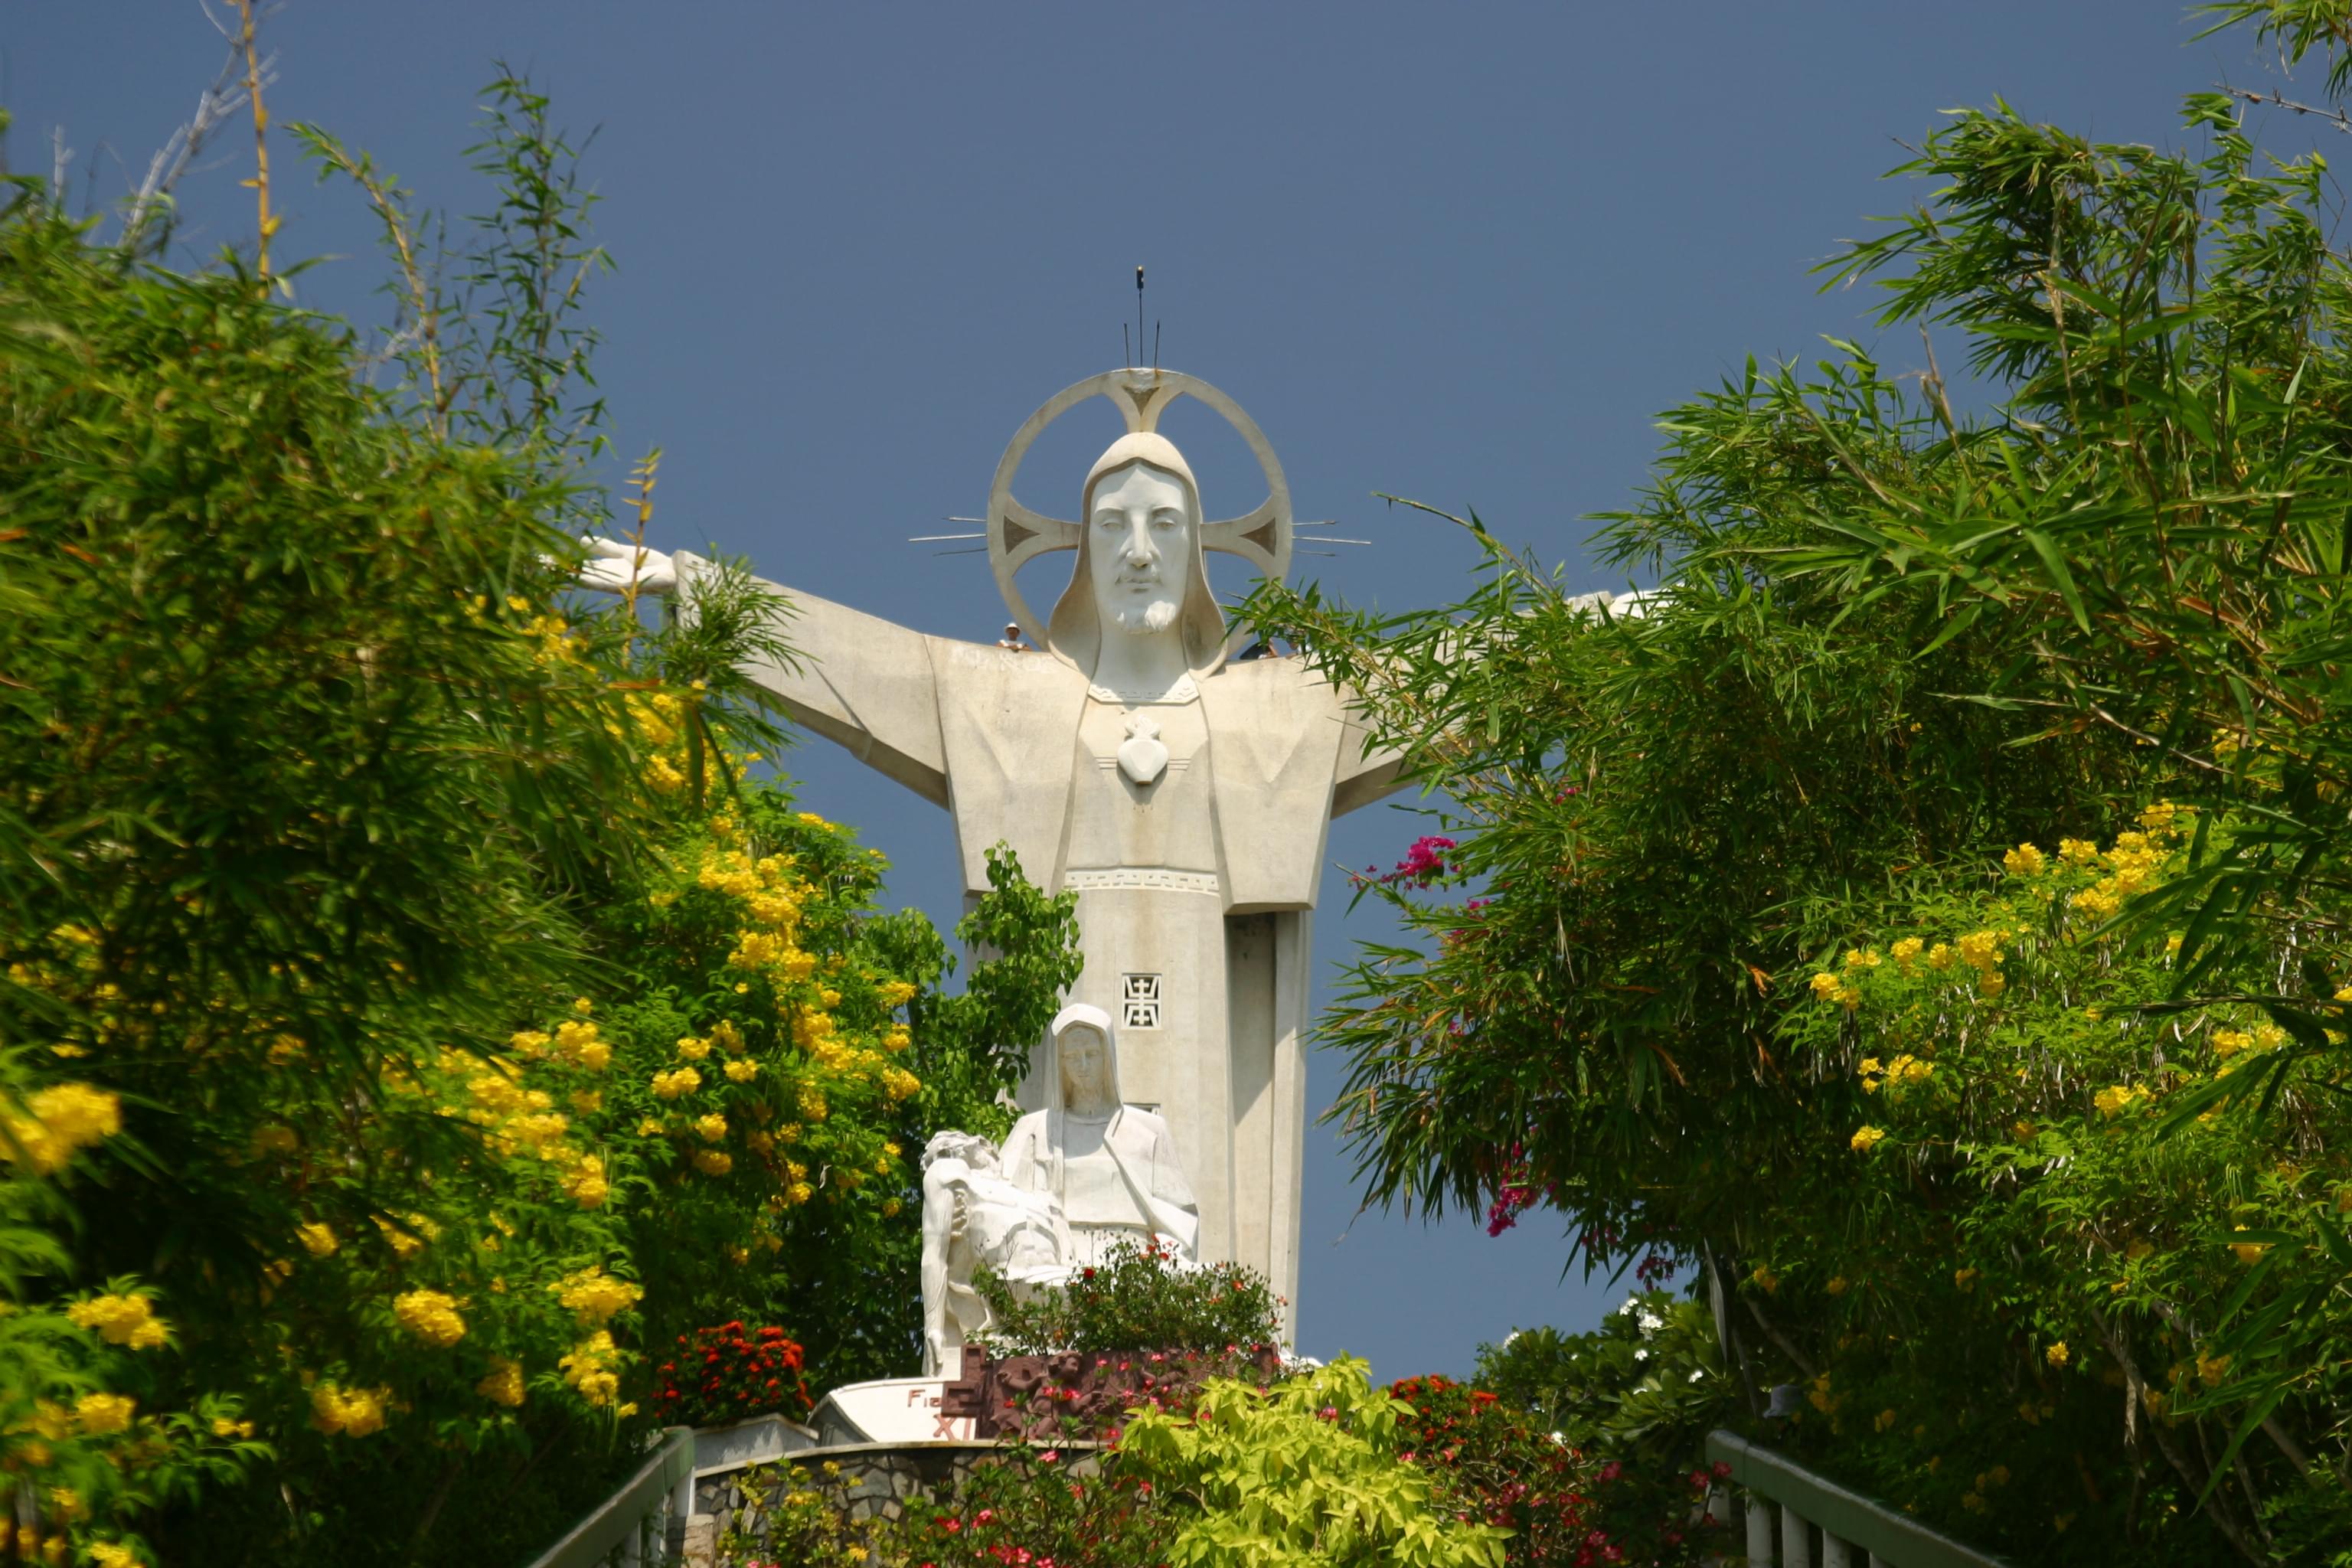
{"x":1086,"y":1069}
{"x":970,"y":1147}
{"x":1141,"y":570}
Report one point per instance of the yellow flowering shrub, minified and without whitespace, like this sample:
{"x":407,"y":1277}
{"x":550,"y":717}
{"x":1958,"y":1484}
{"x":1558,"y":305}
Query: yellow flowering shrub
{"x":775,"y":1062}
{"x":2099,"y":1176}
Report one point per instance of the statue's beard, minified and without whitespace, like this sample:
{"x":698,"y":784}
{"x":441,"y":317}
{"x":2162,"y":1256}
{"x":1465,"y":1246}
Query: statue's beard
{"x":1155,"y":617}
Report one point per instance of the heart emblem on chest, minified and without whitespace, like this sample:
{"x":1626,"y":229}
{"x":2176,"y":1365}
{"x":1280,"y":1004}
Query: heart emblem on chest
{"x":1141,"y":756}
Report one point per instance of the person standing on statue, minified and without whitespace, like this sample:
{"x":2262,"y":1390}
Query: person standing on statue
{"x":1184,"y":797}
{"x":1112,"y":1168}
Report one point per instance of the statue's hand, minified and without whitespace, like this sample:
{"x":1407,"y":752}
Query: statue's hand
{"x":611,"y":562}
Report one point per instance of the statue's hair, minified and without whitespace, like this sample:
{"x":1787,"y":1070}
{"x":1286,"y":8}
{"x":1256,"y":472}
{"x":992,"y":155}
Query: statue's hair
{"x":1075,"y":630}
{"x":952,"y":1144}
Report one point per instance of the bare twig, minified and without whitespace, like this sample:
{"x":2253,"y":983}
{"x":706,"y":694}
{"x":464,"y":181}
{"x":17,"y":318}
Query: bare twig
{"x":260,"y":181}
{"x":2335,"y":117}
{"x":2135,"y":1387}
{"x":215,"y":105}
{"x":425,"y":315}
{"x":1803,"y":1362}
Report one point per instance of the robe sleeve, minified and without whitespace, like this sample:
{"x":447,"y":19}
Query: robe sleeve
{"x":862,"y":682}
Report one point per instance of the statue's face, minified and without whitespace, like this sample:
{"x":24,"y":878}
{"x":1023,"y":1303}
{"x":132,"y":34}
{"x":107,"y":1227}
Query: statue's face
{"x":1140,"y":547}
{"x":1085,"y":1068}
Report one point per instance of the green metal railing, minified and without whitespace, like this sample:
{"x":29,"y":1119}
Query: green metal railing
{"x":641,"y":1523}
{"x":1814,"y":1511}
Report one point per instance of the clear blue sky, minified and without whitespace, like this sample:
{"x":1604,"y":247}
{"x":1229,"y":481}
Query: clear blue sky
{"x":1462,"y":252}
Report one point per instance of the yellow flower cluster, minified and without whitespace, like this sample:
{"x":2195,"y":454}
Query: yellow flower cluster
{"x":347,"y":1412}
{"x":430,"y":1315}
{"x":1974,"y":1498}
{"x":1828,"y":987}
{"x":590,"y":1368}
{"x":581,"y":1044}
{"x":503,"y":1383}
{"x":595,"y":1297}
{"x":408,"y":1237}
{"x":586,"y":1184}
{"x":674,"y":1084}
{"x":2228,"y":1043}
{"x":122,"y":1321}
{"x":102,"y":1414}
{"x":693,"y":1049}
{"x":1866,"y":1139}
{"x":102,"y":1554}
{"x":58,"y":1122}
{"x":577,"y":1042}
{"x":713,"y":1161}
{"x":2133,"y":863}
{"x":711,"y":1128}
{"x":2026,"y":860}
{"x":2116,"y":1098}
{"x":1905,"y":1068}
{"x":742,"y":1069}
{"x":899,"y":1084}
{"x":317,"y":1238}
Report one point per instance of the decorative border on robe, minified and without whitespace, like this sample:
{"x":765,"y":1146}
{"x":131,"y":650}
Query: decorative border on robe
{"x":1134,"y":879}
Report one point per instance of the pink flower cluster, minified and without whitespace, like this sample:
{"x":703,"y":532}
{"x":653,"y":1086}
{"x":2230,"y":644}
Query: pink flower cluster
{"x":1424,"y":863}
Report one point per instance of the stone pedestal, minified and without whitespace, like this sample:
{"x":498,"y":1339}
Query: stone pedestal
{"x":890,"y":1410}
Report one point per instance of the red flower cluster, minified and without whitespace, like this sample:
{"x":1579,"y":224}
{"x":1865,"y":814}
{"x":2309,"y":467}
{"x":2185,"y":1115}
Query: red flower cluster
{"x":1493,"y":1465}
{"x":1561,"y":1505}
{"x":729,"y":1374}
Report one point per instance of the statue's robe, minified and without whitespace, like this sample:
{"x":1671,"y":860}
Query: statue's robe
{"x":1160,"y":1201}
{"x":1206,"y":878}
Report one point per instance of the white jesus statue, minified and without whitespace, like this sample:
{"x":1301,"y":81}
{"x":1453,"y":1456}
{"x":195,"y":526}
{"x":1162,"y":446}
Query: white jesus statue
{"x":1184,"y":797}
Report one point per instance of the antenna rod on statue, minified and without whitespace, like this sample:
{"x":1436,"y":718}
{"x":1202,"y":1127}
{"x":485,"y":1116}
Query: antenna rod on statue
{"x":1155,"y":348}
{"x":1139,"y":318}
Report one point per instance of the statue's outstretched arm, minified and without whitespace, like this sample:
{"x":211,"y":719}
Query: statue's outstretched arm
{"x":1366,"y":772}
{"x":858,"y":680}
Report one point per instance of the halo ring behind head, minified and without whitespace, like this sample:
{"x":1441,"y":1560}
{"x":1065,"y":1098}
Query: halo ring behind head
{"x":1017,"y":535}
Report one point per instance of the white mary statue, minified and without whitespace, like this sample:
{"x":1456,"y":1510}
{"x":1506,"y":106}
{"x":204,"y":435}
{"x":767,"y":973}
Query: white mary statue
{"x":1182,"y":794}
{"x":1110,"y":1168}
{"x":1072,"y":1181}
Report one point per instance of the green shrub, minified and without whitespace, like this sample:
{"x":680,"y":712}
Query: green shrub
{"x":1139,"y":1297}
{"x":1309,"y":1471}
{"x":1634,"y":1400}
